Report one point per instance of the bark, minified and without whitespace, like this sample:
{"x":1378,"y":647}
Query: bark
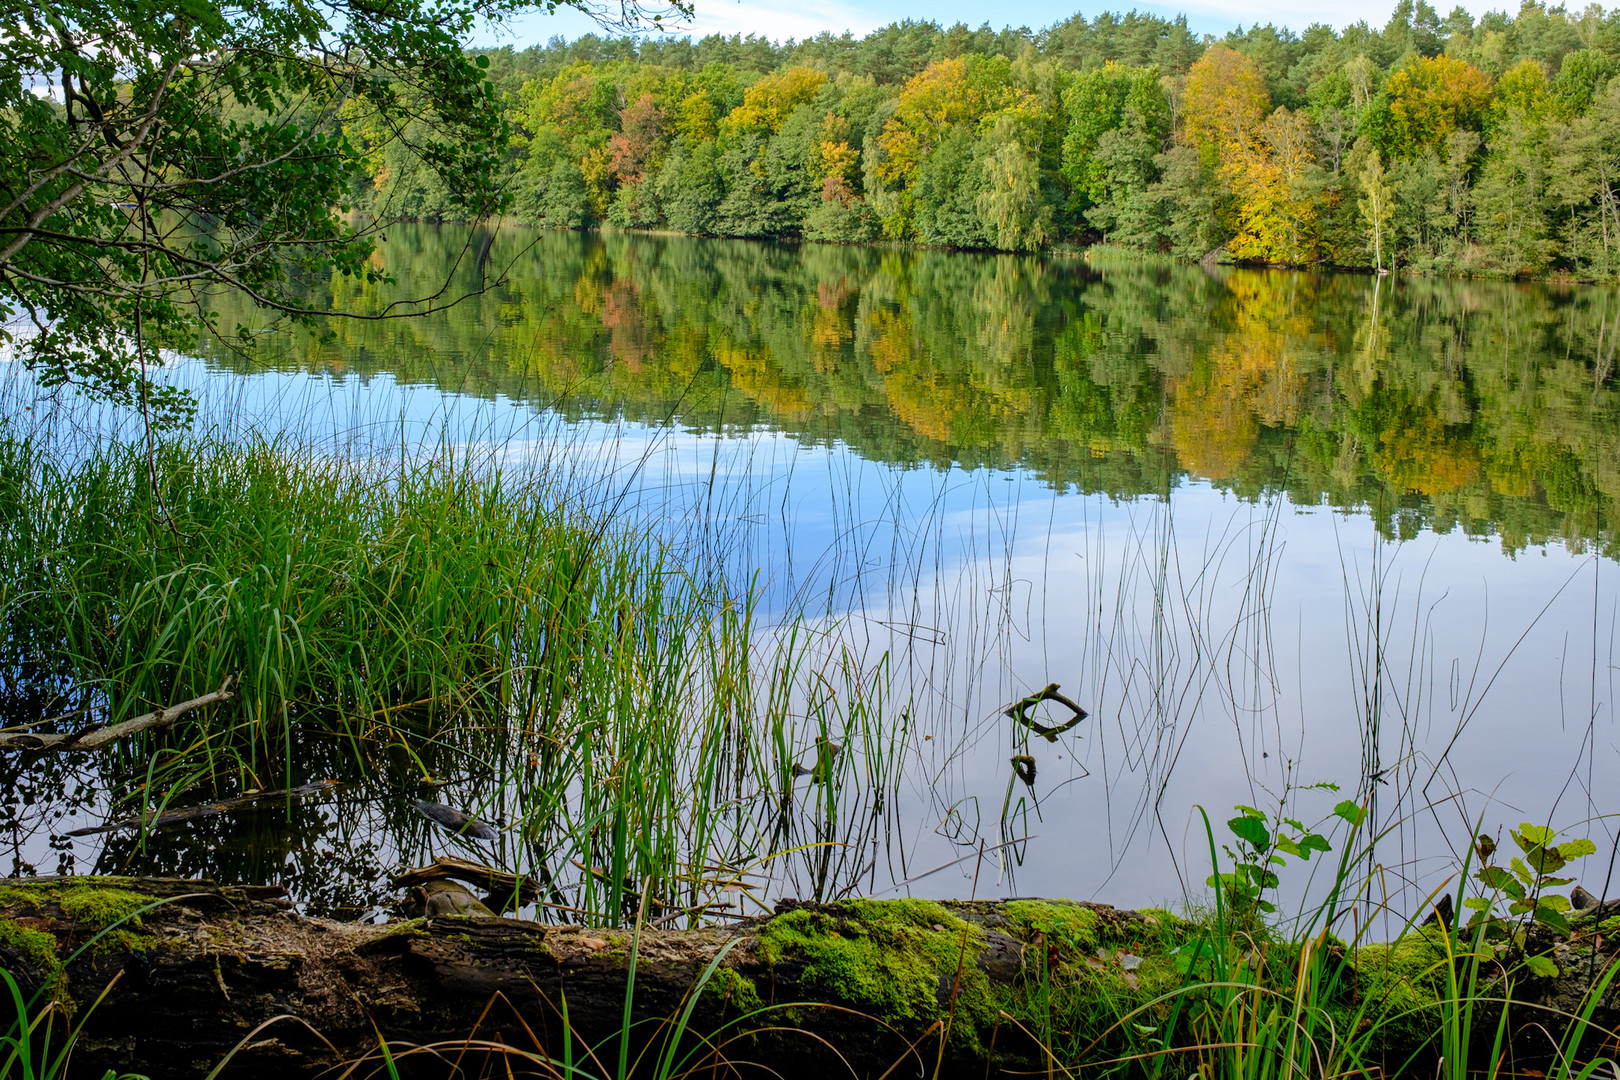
{"x":215,"y":974}
{"x":100,"y":736}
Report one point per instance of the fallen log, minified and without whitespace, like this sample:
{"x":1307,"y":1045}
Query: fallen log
{"x":194,"y":974}
{"x":99,"y":736}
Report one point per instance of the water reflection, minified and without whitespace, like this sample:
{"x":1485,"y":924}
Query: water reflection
{"x":1268,"y":528}
{"x":1434,"y":403}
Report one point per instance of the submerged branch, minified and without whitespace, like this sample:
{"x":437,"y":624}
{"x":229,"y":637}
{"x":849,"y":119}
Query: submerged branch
{"x":98,"y":736}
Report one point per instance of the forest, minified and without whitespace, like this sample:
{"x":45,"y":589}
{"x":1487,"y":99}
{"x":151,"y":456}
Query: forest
{"x":1438,"y":145}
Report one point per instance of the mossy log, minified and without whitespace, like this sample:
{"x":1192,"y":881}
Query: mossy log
{"x":193,"y":973}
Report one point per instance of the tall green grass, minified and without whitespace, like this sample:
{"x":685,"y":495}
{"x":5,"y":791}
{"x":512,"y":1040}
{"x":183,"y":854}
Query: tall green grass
{"x":449,"y":611}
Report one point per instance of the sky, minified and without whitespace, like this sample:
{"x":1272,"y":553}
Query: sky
{"x":781,"y":19}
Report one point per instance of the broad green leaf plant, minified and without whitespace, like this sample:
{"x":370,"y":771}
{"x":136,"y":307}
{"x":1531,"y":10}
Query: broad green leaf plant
{"x":1261,"y":842}
{"x":1520,"y":893}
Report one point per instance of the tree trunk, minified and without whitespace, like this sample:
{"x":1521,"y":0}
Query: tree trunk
{"x":212,"y":972}
{"x":195,"y":974}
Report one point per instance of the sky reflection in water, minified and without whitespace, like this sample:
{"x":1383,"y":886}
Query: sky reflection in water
{"x":1181,"y":576}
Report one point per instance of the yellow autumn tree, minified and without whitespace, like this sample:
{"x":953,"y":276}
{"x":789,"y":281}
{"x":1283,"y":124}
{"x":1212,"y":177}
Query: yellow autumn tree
{"x":769,"y":102}
{"x":1224,"y":101}
{"x":932,"y":101}
{"x":1425,"y":101}
{"x":1281,"y":195}
{"x":697,"y":116}
{"x":837,"y":161}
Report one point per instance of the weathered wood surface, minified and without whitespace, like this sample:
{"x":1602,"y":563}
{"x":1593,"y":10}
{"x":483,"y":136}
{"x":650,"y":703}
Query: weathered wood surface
{"x":206,"y":971}
{"x":214,"y":972}
{"x":97,"y":736}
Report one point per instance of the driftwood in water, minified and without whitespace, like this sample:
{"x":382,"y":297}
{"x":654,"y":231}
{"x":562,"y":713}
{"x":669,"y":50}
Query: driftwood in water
{"x":182,"y":814}
{"x":1019,"y":711}
{"x":498,"y":884}
{"x":100,"y":736}
{"x":848,"y":989}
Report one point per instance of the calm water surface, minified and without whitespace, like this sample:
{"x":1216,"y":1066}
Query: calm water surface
{"x":1270,"y":529}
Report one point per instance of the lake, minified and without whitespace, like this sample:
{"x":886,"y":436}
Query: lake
{"x":1269,"y":529}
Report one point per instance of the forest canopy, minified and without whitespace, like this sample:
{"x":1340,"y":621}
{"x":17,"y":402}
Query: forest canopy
{"x":1441,"y":144}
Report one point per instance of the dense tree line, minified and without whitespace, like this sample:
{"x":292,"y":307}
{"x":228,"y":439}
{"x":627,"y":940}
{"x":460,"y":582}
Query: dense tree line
{"x":1449,"y":145}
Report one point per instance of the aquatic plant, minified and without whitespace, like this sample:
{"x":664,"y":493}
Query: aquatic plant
{"x":441,"y":612}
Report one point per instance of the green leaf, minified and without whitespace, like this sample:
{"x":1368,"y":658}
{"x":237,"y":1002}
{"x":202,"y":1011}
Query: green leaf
{"x":1555,"y":902}
{"x":1251,"y":831}
{"x":1545,"y":860}
{"x":1542,"y":966}
{"x":1314,"y":842}
{"x":1548,"y":917}
{"x":1528,"y":836}
{"x":1522,"y":872}
{"x":1477,"y":903}
{"x":1574,"y":849}
{"x":1494,"y":877}
{"x":1350,"y":812}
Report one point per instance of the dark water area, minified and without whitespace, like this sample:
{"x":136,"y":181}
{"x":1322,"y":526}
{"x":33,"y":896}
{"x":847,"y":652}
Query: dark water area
{"x":1269,"y":528}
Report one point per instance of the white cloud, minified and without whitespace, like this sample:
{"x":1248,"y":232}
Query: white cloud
{"x":778,"y":20}
{"x":774,"y":19}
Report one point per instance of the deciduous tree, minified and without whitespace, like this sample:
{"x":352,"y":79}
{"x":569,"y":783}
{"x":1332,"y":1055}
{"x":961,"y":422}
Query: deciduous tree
{"x":154,"y":150}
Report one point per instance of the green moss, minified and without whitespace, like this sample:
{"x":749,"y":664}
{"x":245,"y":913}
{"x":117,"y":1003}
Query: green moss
{"x":101,"y":908}
{"x":1164,"y":924}
{"x":729,"y":985}
{"x":1059,"y":920}
{"x":1400,"y":984}
{"x":95,"y":903}
{"x":23,"y":898}
{"x":37,"y":947}
{"x":896,"y":959}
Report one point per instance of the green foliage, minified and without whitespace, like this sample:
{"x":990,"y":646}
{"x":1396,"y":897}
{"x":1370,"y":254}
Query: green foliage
{"x":1261,"y":842}
{"x":1523,"y":885}
{"x":203,"y":148}
{"x":947,"y":194}
{"x":691,"y":189}
{"x":1123,"y":129}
